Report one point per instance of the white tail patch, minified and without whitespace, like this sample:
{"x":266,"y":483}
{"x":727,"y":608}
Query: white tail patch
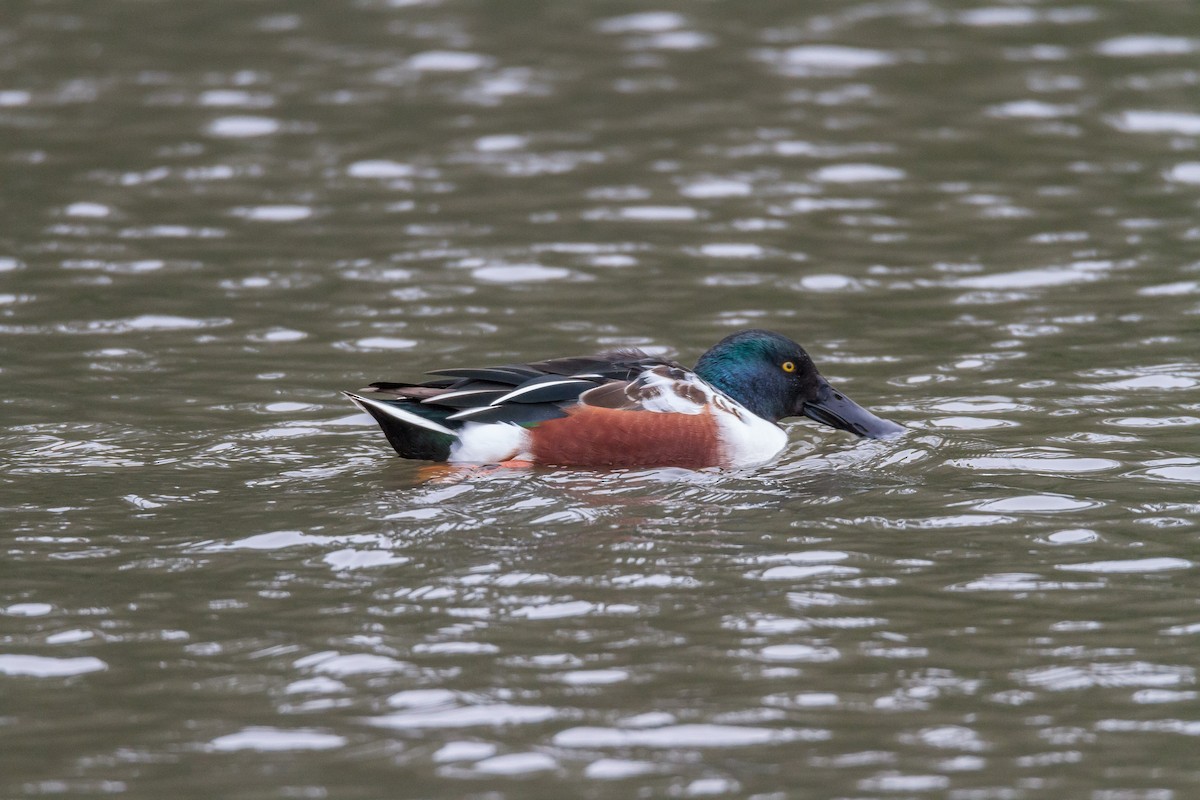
{"x":490,"y":443}
{"x":407,"y":417}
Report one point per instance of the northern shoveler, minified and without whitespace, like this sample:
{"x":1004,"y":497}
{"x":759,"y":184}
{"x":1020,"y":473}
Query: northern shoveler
{"x":621,"y":408}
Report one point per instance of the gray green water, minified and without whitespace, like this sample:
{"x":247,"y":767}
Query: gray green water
{"x":982,"y":220}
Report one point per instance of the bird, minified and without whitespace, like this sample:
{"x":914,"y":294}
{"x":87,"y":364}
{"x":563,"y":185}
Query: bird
{"x":620,"y":408}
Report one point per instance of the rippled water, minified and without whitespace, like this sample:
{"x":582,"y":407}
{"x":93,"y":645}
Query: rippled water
{"x":981,"y":219}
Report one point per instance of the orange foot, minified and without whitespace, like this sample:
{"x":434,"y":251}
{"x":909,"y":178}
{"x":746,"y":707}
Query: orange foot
{"x":449,"y":473}
{"x":515,"y":463}
{"x":439,"y":473}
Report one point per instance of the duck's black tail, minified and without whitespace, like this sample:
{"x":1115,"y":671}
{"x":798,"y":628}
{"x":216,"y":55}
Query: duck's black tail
{"x":414,"y":430}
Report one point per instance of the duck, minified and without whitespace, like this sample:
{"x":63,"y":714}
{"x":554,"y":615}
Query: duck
{"x":620,"y":408}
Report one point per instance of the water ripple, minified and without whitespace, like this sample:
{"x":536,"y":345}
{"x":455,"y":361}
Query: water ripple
{"x":1053,"y":462}
{"x":477,"y":715}
{"x":366,"y":191}
{"x":1075,"y":678}
{"x":263,"y":739}
{"x":48,"y":667}
{"x":685,"y":736}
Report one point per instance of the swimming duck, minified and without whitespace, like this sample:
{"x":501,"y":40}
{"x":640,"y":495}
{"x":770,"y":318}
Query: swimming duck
{"x":620,"y":408}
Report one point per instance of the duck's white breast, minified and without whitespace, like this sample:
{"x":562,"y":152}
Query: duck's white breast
{"x":748,"y":439}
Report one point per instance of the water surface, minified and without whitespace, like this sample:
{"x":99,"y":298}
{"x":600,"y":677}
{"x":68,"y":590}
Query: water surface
{"x":980,"y":219}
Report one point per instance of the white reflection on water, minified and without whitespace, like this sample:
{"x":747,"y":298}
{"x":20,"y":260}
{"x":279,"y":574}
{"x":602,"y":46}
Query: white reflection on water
{"x":1037,"y":461}
{"x":820,"y":599}
{"x":1152,"y":381}
{"x":351,"y":559}
{"x":1182,"y":474}
{"x":275,"y":540}
{"x":642,"y":22}
{"x":383,"y":169}
{"x":825,"y":58}
{"x":828,"y":283}
{"x":318,"y":685}
{"x":905,"y":783}
{"x":264,"y":739}
{"x":1153,"y":422}
{"x":610,"y":769}
{"x":593,"y":677}
{"x":1073,"y":536}
{"x":970,"y":423}
{"x":1137,"y":45}
{"x":173,"y":232}
{"x":799,"y":652}
{"x":341,"y":666}
{"x":519,"y":273}
{"x":709,"y":188}
{"x":479,"y":714}
{"x":1179,"y":726}
{"x":48,"y":667}
{"x":88,"y":210}
{"x":653,"y":213}
{"x":1036,"y":503}
{"x":1178,"y":122}
{"x":1032,"y":109}
{"x":116,"y":267}
{"x":227,"y":98}
{"x":1135,"y":565}
{"x":144,"y":323}
{"x":14,"y":97}
{"x":1156,"y":696}
{"x":1061,"y":678}
{"x":463,"y":751}
{"x":455,"y":648}
{"x":1020,"y":582}
{"x":737,"y":250}
{"x":240,"y":127}
{"x":857,"y":173}
{"x":793,"y":572}
{"x":1080,"y":272}
{"x":689,"y":736}
{"x":802,"y":557}
{"x":448,"y":61}
{"x":276,"y":213}
{"x":27,"y":609}
{"x":385,"y":343}
{"x":1187,"y":172}
{"x":516,"y":764}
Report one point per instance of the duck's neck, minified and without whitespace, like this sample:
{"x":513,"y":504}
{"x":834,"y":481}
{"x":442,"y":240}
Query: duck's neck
{"x":729,"y":373}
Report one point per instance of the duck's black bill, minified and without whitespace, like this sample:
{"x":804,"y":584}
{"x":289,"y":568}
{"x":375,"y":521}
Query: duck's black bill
{"x":834,"y":409}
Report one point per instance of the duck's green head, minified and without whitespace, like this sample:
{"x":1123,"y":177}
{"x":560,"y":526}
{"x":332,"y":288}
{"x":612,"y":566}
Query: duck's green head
{"x":774,"y":378}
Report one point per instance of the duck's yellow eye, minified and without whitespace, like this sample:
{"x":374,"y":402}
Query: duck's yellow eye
{"x":788,"y":366}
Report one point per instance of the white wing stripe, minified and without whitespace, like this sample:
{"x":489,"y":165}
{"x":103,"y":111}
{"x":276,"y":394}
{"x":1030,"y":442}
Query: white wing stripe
{"x":460,"y":393}
{"x":515,"y":393}
{"x":468,"y":412}
{"x":398,"y":413}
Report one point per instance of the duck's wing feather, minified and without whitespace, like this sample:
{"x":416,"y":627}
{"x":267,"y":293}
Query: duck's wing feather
{"x":620,"y":364}
{"x":557,"y":386}
{"x":425,"y":420}
{"x":509,"y":375}
{"x":663,"y":388}
{"x":521,"y":394}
